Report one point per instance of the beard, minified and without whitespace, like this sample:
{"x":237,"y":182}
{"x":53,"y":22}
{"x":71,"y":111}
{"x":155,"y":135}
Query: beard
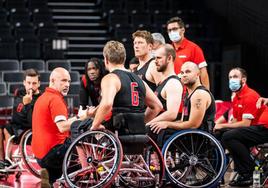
{"x":189,"y":83}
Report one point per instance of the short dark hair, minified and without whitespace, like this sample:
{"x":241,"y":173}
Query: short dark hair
{"x":170,"y":51}
{"x":177,"y":20}
{"x":241,"y":70}
{"x":31,"y":73}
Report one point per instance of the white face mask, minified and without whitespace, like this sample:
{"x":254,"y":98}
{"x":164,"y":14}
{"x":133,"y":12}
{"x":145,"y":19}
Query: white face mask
{"x":174,"y":36}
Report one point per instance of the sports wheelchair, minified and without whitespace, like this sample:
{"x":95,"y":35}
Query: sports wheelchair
{"x":22,"y":159}
{"x":127,"y":157}
{"x":194,"y":158}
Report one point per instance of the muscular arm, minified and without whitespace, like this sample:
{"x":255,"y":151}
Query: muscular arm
{"x":199,"y":103}
{"x":153,"y":104}
{"x":204,"y":77}
{"x":172,"y":92}
{"x":110,"y":85}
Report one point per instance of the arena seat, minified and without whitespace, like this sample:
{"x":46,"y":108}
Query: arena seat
{"x":37,"y":64}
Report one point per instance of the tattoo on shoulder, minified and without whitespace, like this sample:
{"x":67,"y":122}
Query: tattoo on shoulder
{"x":198,"y":103}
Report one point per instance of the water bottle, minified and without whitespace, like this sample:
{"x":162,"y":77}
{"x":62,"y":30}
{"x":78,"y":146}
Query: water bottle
{"x":256,"y":178}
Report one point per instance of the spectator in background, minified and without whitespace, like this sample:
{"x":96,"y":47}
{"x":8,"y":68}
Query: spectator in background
{"x":248,"y":128}
{"x":24,"y":101}
{"x":186,"y":50}
{"x":90,"y":83}
{"x":133,"y":64}
{"x":143,"y":43}
{"x":158,"y":40}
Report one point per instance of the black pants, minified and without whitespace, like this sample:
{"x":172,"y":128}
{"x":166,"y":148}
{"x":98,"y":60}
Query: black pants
{"x":239,"y":140}
{"x":162,"y":136}
{"x":53,"y":160}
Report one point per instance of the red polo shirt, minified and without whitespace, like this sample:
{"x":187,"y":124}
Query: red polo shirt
{"x":49,"y":108}
{"x":244,"y":106}
{"x":188,"y":51}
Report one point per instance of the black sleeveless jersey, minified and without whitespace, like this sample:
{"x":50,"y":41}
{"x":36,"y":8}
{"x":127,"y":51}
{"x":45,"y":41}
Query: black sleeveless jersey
{"x":141,"y":73}
{"x":160,"y":88}
{"x":208,"y":120}
{"x":131,"y":96}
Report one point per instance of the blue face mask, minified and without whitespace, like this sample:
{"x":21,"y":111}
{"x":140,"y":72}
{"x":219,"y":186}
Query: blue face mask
{"x":234,"y":84}
{"x":174,"y":36}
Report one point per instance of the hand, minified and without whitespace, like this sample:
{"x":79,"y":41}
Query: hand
{"x":217,"y":127}
{"x":261,"y":101}
{"x":95,"y":128}
{"x":91,"y":111}
{"x":87,"y":113}
{"x":156,"y":127}
{"x":27,"y":99}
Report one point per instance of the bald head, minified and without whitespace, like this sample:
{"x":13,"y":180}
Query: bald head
{"x":190,"y":74}
{"x":60,"y":80}
{"x":191,"y":66}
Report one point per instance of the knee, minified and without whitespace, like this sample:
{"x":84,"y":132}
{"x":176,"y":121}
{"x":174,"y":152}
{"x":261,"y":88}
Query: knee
{"x":226,"y":138}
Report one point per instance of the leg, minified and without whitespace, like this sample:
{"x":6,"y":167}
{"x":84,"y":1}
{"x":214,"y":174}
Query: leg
{"x":53,"y":161}
{"x":7,"y":136}
{"x":238,"y":141}
{"x":2,"y":139}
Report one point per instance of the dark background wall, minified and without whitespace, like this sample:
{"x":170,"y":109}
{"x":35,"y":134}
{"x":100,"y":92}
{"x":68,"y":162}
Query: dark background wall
{"x":245,"y":35}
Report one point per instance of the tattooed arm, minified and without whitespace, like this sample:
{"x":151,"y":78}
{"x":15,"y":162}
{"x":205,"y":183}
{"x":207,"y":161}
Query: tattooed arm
{"x":200,"y":101}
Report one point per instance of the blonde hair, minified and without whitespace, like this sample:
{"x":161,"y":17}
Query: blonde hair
{"x":114,"y":52}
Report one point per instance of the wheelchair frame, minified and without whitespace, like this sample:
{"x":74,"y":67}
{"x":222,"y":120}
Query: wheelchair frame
{"x":129,"y":169}
{"x":20,"y":157}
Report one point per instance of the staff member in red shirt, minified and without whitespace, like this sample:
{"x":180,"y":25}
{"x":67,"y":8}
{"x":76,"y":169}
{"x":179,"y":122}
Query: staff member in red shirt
{"x":186,"y":50}
{"x":51,"y":125}
{"x":248,"y":128}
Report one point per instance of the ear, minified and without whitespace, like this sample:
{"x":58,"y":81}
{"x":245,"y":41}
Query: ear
{"x":244,"y":80}
{"x":24,"y":82}
{"x":183,"y":30}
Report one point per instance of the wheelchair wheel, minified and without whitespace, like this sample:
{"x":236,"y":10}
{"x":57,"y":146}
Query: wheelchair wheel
{"x":92,"y":160}
{"x":144,"y":170}
{"x":194,"y":158}
{"x":27,"y":154}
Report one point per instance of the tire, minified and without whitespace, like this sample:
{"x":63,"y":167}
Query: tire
{"x":194,"y":158}
{"x":27,"y":154}
{"x":102,"y":157}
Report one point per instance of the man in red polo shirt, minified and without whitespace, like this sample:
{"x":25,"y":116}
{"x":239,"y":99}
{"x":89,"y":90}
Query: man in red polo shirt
{"x":248,"y":128}
{"x":51,"y":126}
{"x":186,"y":50}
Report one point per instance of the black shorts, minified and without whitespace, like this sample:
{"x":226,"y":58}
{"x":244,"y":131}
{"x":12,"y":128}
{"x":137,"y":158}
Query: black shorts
{"x":14,"y":130}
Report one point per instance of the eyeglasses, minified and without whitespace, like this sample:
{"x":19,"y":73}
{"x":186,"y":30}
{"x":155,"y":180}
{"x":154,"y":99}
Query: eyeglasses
{"x":173,"y":29}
